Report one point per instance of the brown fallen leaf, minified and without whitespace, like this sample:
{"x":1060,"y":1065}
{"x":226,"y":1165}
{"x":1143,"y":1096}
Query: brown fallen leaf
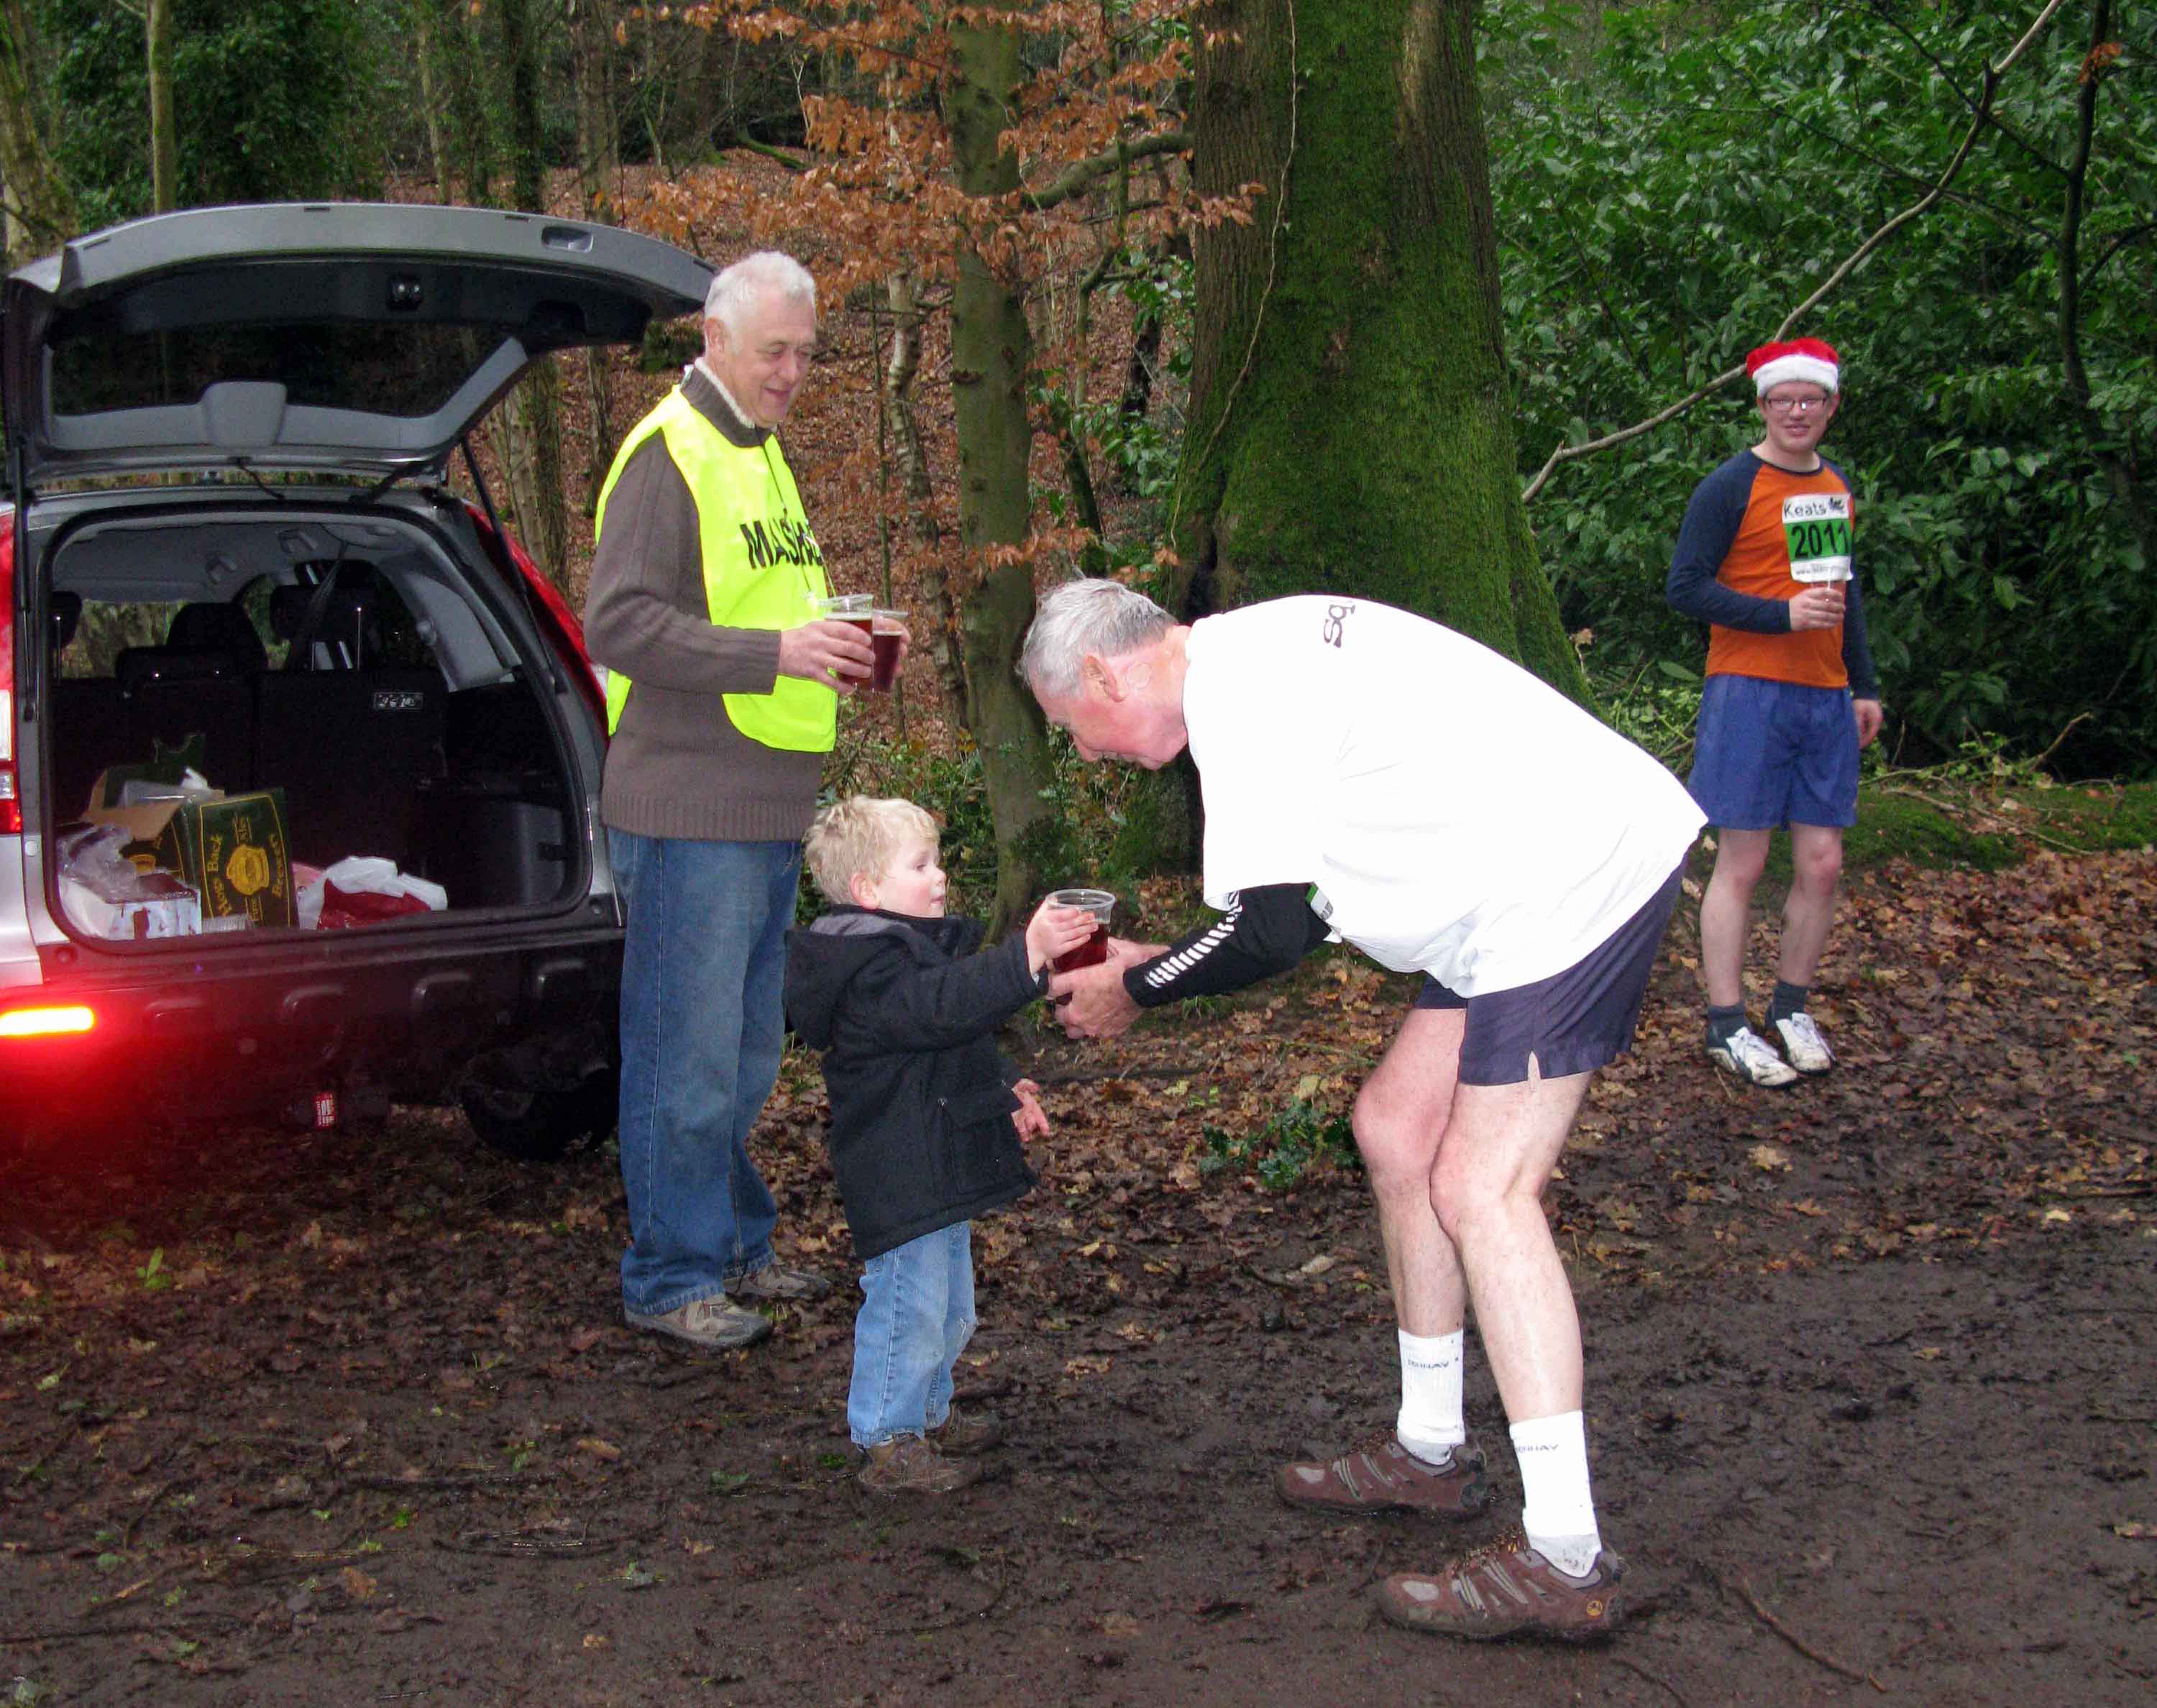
{"x":598,"y":1448}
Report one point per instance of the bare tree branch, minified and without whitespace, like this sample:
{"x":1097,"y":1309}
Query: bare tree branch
{"x":1857,"y":258}
{"x":2125,"y":239}
{"x":1081,"y":175}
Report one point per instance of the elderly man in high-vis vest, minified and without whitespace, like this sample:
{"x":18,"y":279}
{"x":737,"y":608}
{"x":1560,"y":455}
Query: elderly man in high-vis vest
{"x":723,"y":700}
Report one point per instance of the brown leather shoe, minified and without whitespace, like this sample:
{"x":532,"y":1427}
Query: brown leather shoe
{"x":907,"y":1464}
{"x":1386,"y":1477}
{"x":967,"y":1432}
{"x":1508,"y":1590}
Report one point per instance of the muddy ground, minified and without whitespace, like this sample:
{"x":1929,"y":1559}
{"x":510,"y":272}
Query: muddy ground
{"x":353,"y":1417}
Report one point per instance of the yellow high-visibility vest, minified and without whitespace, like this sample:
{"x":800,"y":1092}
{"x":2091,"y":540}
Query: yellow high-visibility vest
{"x":762,"y":566}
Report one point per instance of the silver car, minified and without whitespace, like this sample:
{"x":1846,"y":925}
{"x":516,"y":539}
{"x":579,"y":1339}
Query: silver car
{"x":299,"y":756}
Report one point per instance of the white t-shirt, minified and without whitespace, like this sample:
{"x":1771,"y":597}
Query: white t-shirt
{"x":1457,"y":815}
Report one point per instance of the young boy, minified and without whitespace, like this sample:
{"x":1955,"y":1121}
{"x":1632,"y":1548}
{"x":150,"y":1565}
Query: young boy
{"x":926,"y":1116}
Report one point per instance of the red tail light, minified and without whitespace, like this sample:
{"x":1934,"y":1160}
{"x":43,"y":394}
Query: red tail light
{"x":69,"y":1019}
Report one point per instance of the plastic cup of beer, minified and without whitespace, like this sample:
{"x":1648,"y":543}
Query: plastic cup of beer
{"x":1101,"y":904}
{"x":887,"y":630}
{"x":858,"y":609}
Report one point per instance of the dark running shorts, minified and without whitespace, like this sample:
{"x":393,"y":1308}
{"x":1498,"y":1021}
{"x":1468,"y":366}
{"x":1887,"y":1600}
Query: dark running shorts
{"x":1571,"y":1022}
{"x":1767,"y":754}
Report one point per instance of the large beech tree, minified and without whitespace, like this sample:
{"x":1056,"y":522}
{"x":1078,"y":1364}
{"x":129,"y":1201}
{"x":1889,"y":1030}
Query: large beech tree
{"x":1351,"y":420}
{"x":963,"y":160}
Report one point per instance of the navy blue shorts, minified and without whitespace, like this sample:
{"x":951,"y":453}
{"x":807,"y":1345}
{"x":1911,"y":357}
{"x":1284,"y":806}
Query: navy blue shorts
{"x":1767,"y":754}
{"x":1571,"y":1022}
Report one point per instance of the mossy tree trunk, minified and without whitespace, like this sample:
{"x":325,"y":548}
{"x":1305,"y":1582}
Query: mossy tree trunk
{"x":1352,"y":419}
{"x":990,"y":349}
{"x":37,"y":213}
{"x":164,"y":134}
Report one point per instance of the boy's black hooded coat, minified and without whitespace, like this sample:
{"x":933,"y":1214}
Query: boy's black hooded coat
{"x":905,"y":1013}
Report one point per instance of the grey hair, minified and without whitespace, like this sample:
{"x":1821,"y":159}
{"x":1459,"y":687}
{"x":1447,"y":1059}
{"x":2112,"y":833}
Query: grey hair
{"x":861,"y":835}
{"x":1088,"y":614}
{"x":766,"y":273}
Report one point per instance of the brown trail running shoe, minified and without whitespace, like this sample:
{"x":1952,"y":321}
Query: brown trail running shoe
{"x":1507,"y":1590}
{"x":717,"y":1325}
{"x":776,"y":1283}
{"x":967,"y":1432}
{"x":910,"y":1465}
{"x":1385,"y":1477}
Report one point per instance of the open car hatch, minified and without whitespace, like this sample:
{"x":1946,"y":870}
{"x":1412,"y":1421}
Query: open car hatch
{"x":344,"y":337}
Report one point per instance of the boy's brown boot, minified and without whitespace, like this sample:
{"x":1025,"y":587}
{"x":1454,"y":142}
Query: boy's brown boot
{"x":910,"y":1465}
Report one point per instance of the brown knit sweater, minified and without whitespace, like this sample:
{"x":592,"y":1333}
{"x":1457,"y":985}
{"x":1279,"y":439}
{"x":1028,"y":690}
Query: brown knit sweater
{"x":678,"y":766}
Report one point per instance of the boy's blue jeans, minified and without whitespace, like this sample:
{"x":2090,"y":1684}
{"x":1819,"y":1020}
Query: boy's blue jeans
{"x":915,"y":1319}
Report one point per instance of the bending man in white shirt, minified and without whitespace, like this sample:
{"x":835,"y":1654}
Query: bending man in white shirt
{"x":1371,"y":776}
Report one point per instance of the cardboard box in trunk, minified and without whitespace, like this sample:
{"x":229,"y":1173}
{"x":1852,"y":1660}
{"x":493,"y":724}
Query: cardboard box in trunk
{"x":232,"y":850}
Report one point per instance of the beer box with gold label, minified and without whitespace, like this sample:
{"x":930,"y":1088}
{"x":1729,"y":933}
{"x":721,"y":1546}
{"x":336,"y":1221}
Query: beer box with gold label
{"x":231,"y":849}
{"x":234,"y":852}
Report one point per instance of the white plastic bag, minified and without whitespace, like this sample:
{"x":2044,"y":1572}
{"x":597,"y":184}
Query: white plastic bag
{"x":103,"y":894}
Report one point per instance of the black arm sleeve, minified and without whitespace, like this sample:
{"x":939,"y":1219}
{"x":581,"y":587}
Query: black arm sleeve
{"x":1267,"y":930}
{"x":1856,"y":650}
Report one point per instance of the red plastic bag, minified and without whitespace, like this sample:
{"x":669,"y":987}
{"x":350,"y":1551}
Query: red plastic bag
{"x":342,"y":909}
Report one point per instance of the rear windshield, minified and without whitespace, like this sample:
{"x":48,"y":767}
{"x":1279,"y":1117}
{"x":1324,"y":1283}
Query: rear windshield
{"x":394,"y":369}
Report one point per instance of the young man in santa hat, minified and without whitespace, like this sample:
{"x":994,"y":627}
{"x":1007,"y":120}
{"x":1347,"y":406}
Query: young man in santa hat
{"x":1765,"y":559}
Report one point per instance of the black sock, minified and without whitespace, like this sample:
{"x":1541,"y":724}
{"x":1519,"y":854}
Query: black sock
{"x":1788,"y":1000}
{"x":1721,"y":1022}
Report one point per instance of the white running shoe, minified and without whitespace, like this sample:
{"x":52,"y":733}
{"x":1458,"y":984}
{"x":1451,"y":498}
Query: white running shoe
{"x":1747,"y":1056}
{"x":1803,"y":1044}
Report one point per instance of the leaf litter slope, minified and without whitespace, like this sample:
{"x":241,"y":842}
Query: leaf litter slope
{"x":287,"y":1419}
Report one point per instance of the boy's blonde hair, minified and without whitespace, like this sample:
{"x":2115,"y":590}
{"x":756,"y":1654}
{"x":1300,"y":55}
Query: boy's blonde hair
{"x":860,"y":834}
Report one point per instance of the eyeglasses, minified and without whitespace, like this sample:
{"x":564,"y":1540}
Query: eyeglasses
{"x":1796,"y":406}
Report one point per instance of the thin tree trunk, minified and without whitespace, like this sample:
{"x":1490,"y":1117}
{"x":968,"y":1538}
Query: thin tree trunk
{"x":164,"y":134}
{"x":599,"y":170}
{"x":2119,"y":470}
{"x":990,"y":353}
{"x":934,"y":626}
{"x":463,"y":61}
{"x":1352,"y":419}
{"x":426,"y":53}
{"x":536,"y":413}
{"x":38,"y":213}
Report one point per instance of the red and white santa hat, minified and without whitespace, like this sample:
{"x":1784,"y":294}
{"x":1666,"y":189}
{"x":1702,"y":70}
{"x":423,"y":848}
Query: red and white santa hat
{"x":1797,"y":358}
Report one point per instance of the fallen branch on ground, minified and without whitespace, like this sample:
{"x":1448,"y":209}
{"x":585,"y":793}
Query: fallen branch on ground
{"x":1803,"y":1647}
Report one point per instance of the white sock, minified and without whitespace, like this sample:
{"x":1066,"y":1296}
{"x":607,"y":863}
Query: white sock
{"x":1429,"y":1425}
{"x":1559,"y":1513}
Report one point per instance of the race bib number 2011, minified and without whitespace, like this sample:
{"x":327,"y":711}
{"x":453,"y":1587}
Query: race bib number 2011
{"x":1816,"y":525}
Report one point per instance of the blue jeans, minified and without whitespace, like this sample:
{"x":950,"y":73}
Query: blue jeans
{"x":915,"y":1319}
{"x":703,"y":1024}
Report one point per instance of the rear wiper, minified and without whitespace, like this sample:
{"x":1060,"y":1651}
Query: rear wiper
{"x":247,"y":468}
